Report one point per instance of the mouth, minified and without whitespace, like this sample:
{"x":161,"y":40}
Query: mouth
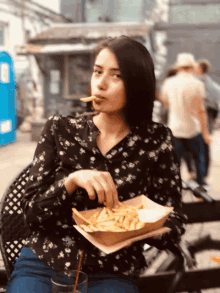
{"x":99,"y":97}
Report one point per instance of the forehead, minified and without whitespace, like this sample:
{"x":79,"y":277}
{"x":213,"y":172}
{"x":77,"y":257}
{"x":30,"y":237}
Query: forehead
{"x":107,"y":58}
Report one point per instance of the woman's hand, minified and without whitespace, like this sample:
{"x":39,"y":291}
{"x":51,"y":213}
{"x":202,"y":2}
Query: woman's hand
{"x":97,"y":183}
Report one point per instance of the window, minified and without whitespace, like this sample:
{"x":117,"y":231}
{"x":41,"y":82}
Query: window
{"x":54,"y":82}
{"x":5,"y":126}
{"x":78,"y":75}
{"x":195,"y":14}
{"x":5,"y":70}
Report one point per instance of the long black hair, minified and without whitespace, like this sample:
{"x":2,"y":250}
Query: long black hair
{"x":137,"y":71}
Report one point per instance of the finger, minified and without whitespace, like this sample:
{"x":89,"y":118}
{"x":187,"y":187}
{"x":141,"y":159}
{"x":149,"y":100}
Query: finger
{"x":99,"y":190}
{"x":109,"y":201}
{"x":91,"y":192}
{"x":113,"y":188}
{"x":110,"y":189}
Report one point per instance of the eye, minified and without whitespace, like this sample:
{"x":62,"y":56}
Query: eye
{"x":117,"y":75}
{"x":96,"y":71}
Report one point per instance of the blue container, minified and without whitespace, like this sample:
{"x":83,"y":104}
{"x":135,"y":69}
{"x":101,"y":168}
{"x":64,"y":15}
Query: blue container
{"x":8,"y":119}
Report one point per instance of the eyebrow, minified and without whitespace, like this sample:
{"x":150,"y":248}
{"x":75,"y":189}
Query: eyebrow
{"x":113,"y":69}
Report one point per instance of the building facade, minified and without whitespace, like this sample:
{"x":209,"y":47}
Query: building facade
{"x":194,"y":27}
{"x":65,"y":58}
{"x":107,"y":11}
{"x":64,"y":53}
{"x":67,"y":70}
{"x":19,"y":23}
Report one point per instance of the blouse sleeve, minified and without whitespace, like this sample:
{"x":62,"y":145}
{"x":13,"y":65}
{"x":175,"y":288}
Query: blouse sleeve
{"x":166,"y":189}
{"x":45,"y":193}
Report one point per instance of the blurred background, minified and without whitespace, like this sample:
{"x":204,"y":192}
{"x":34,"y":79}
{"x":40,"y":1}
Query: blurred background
{"x":46,"y":58}
{"x":46,"y":52}
{"x":50,"y":43}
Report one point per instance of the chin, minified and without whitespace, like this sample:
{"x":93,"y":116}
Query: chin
{"x":104,"y":109}
{"x":99,"y":108}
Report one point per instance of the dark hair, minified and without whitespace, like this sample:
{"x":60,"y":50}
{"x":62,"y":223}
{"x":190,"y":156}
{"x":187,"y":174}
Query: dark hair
{"x":171,"y":71}
{"x":204,"y":65}
{"x":137,"y":71}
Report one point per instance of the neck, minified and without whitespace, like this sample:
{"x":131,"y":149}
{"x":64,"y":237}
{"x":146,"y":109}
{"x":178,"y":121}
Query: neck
{"x":111,"y":124}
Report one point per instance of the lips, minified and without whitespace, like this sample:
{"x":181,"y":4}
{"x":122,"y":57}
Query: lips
{"x":99,"y":97}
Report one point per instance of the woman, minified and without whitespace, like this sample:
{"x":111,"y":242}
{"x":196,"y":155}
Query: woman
{"x":112,"y":155}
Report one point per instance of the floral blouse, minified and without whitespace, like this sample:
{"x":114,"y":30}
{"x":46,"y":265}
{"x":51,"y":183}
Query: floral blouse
{"x":144,"y":162}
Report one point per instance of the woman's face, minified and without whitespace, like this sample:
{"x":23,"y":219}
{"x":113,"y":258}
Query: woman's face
{"x":107,"y":84}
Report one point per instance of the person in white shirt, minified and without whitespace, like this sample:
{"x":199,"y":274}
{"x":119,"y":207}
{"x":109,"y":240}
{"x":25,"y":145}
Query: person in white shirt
{"x":187,"y":157}
{"x":211,"y":101}
{"x":183,"y":95}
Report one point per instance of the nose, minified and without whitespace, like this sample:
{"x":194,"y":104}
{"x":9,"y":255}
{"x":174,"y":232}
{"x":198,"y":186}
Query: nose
{"x":102,"y":82}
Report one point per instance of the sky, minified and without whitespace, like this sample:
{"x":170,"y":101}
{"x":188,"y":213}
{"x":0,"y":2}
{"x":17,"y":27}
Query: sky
{"x":51,"y":4}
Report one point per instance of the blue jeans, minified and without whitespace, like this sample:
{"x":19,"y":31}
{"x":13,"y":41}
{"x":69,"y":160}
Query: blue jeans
{"x":196,"y":147}
{"x":31,"y":275}
{"x":212,"y":114}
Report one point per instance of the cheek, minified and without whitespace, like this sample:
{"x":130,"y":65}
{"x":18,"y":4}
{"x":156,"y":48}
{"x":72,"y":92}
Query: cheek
{"x":121,"y":100}
{"x":120,"y":89}
{"x":92,"y":84}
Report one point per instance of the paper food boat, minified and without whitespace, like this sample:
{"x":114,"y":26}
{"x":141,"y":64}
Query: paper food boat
{"x":154,"y":220}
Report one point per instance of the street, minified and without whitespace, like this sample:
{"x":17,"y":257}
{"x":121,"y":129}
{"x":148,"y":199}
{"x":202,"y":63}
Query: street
{"x":15,"y":156}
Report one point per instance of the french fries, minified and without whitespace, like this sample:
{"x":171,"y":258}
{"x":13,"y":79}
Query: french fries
{"x":124,"y":218}
{"x":89,"y":99}
{"x":215,"y":258}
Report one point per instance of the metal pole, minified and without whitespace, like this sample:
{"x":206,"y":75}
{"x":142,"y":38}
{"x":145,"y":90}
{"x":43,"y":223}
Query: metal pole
{"x":83,"y":10}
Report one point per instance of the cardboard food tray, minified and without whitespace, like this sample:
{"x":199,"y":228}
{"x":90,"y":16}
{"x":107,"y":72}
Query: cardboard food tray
{"x":120,"y":245}
{"x":111,"y":238}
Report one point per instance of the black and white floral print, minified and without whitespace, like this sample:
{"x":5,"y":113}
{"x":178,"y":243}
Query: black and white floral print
{"x":144,"y":162}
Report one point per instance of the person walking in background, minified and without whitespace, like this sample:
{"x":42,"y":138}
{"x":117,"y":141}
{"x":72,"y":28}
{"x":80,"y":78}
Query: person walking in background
{"x":187,"y":156}
{"x":211,"y":102}
{"x":183,"y":94}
